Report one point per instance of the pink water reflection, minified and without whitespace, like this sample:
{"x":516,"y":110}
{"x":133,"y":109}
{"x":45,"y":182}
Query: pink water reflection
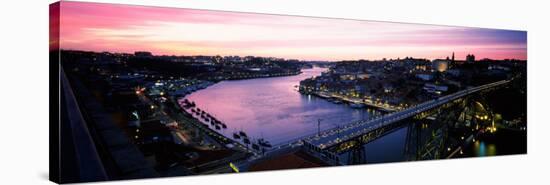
{"x":272,"y":108}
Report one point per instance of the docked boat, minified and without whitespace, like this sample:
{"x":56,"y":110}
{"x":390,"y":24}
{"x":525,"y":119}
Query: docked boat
{"x":255,"y":146}
{"x":246,"y":140}
{"x":236,"y":136}
{"x":357,"y":105}
{"x":217,"y":127}
{"x":223,"y":125}
{"x":264,"y":143}
{"x":242,"y":134}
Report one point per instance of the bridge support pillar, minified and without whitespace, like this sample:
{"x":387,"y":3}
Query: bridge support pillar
{"x":357,"y":154}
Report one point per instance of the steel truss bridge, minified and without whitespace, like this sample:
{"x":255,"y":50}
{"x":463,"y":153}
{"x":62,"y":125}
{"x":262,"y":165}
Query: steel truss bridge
{"x":330,"y":143}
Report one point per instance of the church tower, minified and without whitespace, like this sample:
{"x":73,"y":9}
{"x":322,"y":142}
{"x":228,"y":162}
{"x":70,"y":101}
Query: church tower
{"x":453,"y":57}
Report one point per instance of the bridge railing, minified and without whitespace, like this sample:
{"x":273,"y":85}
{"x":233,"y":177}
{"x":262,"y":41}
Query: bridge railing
{"x":327,"y":156}
{"x":79,"y":155}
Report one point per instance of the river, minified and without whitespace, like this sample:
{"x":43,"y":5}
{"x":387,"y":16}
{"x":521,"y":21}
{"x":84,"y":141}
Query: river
{"x":272,"y":108}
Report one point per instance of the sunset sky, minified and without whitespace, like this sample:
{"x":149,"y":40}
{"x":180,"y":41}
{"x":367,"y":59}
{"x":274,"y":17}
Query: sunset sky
{"x":175,"y":31}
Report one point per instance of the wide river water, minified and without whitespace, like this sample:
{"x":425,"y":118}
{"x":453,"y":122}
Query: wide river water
{"x":273,"y":109}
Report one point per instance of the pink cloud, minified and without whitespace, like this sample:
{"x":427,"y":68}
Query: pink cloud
{"x":175,"y":31}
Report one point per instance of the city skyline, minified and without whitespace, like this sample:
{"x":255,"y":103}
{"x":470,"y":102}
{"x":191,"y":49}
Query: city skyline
{"x":164,"y":31}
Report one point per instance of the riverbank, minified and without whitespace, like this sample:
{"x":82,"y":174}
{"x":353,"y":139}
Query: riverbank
{"x":255,"y":76}
{"x":353,"y":102}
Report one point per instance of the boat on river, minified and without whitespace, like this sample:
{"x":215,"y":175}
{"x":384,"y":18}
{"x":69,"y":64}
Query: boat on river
{"x":255,"y":146}
{"x":236,"y":136}
{"x":264,"y":143}
{"x":242,"y":134}
{"x":357,"y":105}
{"x":246,"y":140}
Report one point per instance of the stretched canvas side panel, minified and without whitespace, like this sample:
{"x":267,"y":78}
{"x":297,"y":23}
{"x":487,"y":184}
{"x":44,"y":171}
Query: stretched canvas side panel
{"x":54,"y":91}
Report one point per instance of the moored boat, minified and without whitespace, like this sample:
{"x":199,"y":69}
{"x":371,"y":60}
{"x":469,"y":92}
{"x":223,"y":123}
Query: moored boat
{"x":246,"y":140}
{"x":264,"y":143}
{"x":236,"y":136}
{"x":242,"y":134}
{"x":255,"y":146}
{"x":356,"y":105}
